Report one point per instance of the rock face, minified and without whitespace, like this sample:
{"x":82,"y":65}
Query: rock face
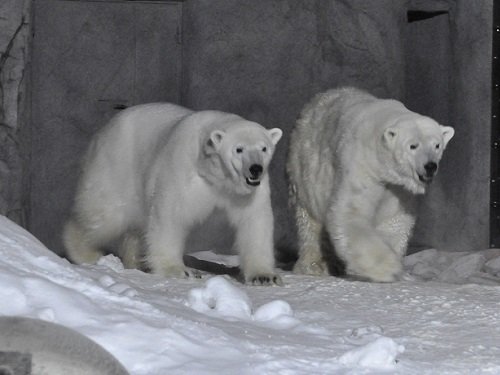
{"x":14,"y":33}
{"x":264,"y":59}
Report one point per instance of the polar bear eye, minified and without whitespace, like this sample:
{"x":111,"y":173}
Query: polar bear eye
{"x":438,"y":146}
{"x":414,"y":146}
{"x":264,"y":149}
{"x":239,"y":150}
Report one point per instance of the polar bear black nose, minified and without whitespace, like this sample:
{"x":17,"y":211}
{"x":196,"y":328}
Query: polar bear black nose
{"x":256,"y":170}
{"x":430,"y":168}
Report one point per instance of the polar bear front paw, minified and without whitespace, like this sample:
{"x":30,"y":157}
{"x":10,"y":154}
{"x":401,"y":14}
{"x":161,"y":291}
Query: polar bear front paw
{"x":265,"y":279}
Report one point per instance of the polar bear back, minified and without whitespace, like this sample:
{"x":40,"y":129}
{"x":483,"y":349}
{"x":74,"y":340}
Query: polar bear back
{"x":134,"y":144}
{"x":134,"y":132}
{"x":342,"y":115}
{"x":346,"y":122}
{"x":120,"y":152}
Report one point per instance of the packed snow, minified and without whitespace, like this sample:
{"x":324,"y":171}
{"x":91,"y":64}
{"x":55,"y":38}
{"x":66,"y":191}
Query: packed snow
{"x":444,"y":318}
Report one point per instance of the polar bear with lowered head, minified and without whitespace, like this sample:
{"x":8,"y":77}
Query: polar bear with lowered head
{"x":157,"y":170}
{"x":355,"y":165}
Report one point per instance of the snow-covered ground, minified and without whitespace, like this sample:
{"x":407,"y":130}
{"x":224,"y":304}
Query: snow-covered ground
{"x":443,"y":319}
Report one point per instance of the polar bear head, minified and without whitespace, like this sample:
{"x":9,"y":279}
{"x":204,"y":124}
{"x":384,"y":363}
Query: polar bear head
{"x":416,"y":144}
{"x":240,"y":155}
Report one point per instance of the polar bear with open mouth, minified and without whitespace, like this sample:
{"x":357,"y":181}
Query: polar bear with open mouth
{"x":355,"y":164}
{"x":156,"y":170}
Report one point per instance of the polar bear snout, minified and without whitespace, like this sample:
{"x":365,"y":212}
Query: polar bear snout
{"x":256,"y":170}
{"x":431,"y":168}
{"x":255,"y":174}
{"x":430,"y":171}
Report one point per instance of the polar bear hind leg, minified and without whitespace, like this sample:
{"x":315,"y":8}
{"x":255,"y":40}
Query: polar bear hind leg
{"x":87,"y":233}
{"x":309,"y":231}
{"x":79,"y":246}
{"x":130,"y":249}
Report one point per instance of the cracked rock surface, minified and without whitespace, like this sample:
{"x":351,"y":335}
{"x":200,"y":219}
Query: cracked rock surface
{"x":14,"y":32}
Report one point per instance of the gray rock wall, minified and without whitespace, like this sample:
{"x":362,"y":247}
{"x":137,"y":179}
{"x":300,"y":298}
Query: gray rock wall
{"x":14,"y":111}
{"x":465,"y":190}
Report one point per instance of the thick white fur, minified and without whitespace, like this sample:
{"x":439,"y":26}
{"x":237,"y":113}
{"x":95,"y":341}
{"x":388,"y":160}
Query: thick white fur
{"x":158,"y":169}
{"x":354,"y":171}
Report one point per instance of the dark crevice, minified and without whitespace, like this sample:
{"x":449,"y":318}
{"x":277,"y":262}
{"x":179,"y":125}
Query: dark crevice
{"x":420,"y":15}
{"x":6,"y":54}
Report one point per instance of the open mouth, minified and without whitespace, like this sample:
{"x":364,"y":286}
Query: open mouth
{"x":425,"y":179}
{"x":252,"y":182}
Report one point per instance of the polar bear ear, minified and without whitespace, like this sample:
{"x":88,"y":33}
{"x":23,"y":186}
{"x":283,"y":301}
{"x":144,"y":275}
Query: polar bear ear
{"x":448,"y":133}
{"x":390,"y":135}
{"x":214,"y":142}
{"x":275,"y":135}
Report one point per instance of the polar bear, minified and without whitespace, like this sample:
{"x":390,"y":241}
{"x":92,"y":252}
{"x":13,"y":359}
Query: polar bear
{"x":157,"y":170}
{"x":355,"y":165}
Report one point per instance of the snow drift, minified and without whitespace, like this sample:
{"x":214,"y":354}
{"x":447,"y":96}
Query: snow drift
{"x":443,"y":319}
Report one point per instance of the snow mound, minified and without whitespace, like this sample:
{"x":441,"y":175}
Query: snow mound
{"x":479,"y":267}
{"x":220,"y":297}
{"x":380,"y":353}
{"x":277,"y":312}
